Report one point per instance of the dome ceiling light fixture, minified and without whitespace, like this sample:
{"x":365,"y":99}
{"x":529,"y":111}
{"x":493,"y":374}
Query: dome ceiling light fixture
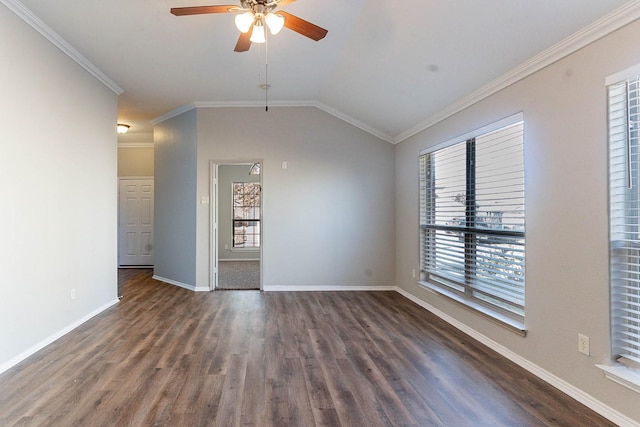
{"x":121,"y":128}
{"x":253,"y":16}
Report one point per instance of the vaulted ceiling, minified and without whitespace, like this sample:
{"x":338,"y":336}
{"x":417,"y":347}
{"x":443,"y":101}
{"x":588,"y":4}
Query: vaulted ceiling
{"x":387,"y":66}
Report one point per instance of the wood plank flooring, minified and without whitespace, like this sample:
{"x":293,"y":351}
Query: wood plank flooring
{"x":165,"y":356}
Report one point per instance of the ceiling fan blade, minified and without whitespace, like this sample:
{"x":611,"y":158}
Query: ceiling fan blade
{"x":285,"y":2}
{"x":199,"y":10}
{"x":303,"y":27}
{"x":244,"y":42}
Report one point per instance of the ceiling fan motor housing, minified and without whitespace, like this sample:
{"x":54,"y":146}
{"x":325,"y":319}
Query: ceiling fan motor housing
{"x":259,"y":6}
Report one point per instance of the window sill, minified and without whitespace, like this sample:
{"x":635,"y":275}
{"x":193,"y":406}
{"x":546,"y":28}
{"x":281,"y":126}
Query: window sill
{"x":496,"y":317}
{"x":623,"y":375}
{"x":245,"y":249}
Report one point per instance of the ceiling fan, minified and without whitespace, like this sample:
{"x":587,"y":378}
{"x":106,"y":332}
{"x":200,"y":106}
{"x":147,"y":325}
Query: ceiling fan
{"x":252,"y":17}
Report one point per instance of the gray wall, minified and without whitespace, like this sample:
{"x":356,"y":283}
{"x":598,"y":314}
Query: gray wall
{"x":567,"y":293}
{"x":175,"y":199}
{"x":328,"y":219}
{"x":227,"y":175}
{"x":59,"y":192}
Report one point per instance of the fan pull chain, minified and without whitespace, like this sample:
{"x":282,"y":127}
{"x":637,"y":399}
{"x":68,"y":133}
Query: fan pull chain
{"x":266,"y":72}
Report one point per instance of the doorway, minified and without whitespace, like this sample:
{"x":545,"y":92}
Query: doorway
{"x":236,"y":225}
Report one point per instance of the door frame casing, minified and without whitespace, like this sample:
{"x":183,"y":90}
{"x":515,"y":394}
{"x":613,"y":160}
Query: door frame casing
{"x":214,"y":215}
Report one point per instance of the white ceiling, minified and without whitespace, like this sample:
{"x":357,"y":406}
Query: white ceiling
{"x":388,"y":65}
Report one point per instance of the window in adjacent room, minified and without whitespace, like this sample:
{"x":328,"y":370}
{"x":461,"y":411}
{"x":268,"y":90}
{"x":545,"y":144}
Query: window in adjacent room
{"x":246,"y":215}
{"x":624,"y":217}
{"x":472,"y":220}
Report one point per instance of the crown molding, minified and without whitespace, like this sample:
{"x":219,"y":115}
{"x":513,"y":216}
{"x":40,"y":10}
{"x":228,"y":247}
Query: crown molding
{"x":357,"y":123}
{"x":253,"y":104}
{"x":38,"y":24}
{"x":620,"y":17}
{"x":173,"y":113}
{"x":617,"y":19}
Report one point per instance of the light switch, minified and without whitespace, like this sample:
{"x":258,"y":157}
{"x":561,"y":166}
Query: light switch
{"x":204,"y":200}
{"x":284,"y":164}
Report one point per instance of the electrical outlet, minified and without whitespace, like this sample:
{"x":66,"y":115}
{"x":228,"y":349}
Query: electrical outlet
{"x":583,"y":344}
{"x":413,"y":273}
{"x":73,"y":293}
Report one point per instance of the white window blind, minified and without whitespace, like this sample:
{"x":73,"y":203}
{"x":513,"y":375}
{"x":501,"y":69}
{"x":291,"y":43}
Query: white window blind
{"x":624,"y":214}
{"x":472,"y":220}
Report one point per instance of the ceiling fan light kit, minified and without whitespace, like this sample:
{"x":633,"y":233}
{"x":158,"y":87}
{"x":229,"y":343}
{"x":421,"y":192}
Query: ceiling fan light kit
{"x":245,"y":21}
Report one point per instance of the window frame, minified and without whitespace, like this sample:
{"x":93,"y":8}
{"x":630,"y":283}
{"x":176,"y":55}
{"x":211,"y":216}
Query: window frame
{"x":467,"y":296}
{"x":235,"y":248}
{"x":622,"y":368}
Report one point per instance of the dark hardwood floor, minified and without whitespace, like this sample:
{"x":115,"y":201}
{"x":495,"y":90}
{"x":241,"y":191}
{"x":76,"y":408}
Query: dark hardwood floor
{"x":166,"y":356}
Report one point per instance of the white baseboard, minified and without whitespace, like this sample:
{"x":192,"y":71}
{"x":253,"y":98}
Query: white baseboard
{"x":326,"y":288}
{"x":51,"y":338}
{"x":182,"y":285}
{"x":562,"y":385}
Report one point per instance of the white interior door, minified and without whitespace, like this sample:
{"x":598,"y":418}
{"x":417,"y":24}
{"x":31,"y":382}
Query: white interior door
{"x":135,"y":222}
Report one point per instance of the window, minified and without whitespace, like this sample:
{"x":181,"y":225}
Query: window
{"x":472,"y":219}
{"x":246,"y":215}
{"x":624,"y":217}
